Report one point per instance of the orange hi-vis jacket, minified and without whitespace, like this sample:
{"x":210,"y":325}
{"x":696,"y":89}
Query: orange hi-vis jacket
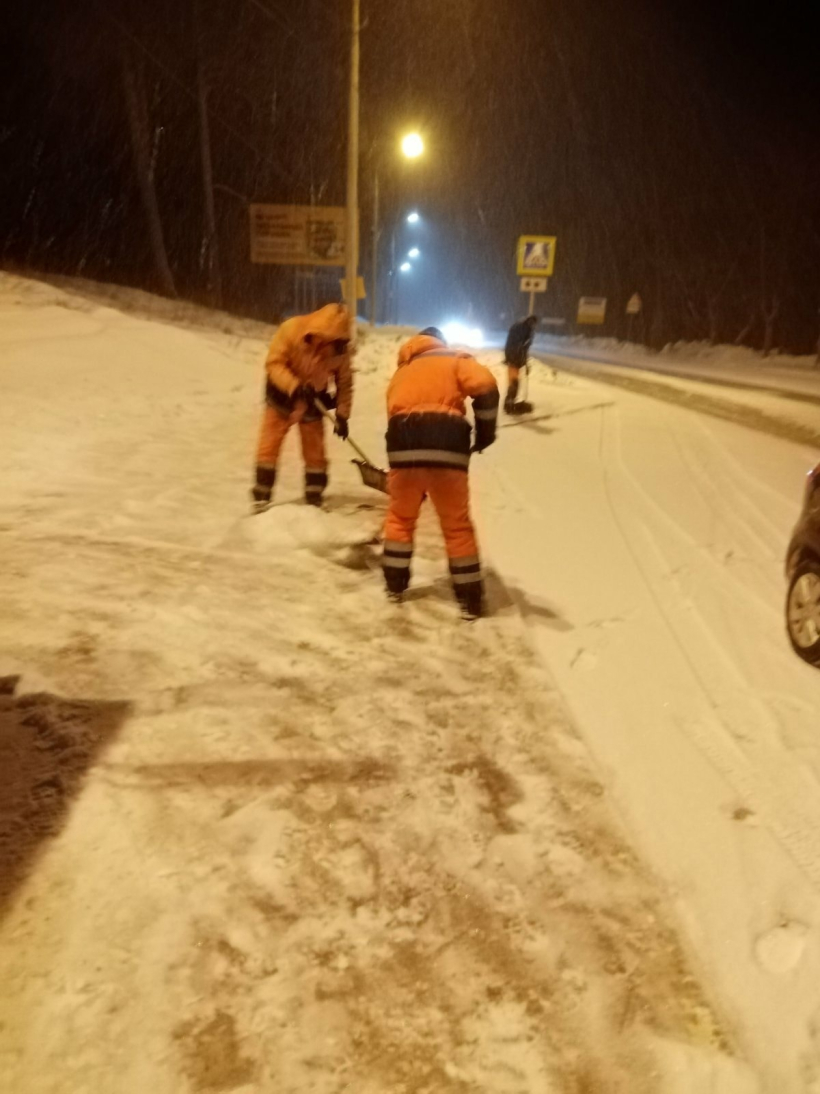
{"x":293,"y":362}
{"x":427,"y":424}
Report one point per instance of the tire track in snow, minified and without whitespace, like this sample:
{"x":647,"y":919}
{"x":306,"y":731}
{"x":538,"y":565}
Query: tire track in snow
{"x":751,"y":417}
{"x":686,"y":537}
{"x":711,"y":492}
{"x":786,"y":801}
{"x":788,"y":506}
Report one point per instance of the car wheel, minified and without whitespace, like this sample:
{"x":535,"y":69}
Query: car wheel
{"x":803,"y":611}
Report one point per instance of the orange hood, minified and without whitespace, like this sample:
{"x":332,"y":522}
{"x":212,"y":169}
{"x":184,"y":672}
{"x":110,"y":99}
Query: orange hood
{"x":329,"y":323}
{"x":419,"y":343}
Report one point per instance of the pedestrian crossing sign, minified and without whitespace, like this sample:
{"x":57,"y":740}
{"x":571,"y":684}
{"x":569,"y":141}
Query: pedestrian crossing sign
{"x":536,"y":256}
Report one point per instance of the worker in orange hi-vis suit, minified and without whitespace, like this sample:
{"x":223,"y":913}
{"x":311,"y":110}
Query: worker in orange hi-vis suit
{"x":428,"y":446}
{"x":305,"y":354}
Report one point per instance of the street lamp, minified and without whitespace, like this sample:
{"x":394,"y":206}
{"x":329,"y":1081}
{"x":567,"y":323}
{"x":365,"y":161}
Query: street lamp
{"x":352,"y":214}
{"x":412,"y":146}
{"x":406,"y":267}
{"x":413,"y":218}
{"x":414,"y":252}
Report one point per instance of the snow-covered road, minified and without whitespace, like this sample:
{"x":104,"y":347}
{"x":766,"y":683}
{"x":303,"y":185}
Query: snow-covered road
{"x":260,"y":831}
{"x":651,"y":541}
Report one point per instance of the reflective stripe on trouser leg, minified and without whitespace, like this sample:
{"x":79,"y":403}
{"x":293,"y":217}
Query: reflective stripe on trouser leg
{"x":407,"y":490}
{"x":265,"y":478}
{"x":450,"y":493}
{"x":271,"y":435}
{"x":465,"y":570}
{"x":312,"y":436}
{"x":396,"y":561}
{"x":467,"y":583}
{"x":315,"y":482}
{"x":466,"y":575}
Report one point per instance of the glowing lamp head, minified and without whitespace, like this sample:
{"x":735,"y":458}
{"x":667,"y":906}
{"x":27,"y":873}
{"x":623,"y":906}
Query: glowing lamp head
{"x":412,"y":146}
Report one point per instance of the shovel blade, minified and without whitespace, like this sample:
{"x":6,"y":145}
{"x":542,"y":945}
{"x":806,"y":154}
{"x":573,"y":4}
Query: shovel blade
{"x":372,"y":476}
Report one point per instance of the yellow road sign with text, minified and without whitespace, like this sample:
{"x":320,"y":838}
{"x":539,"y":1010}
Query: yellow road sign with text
{"x":536,"y":256}
{"x":298,"y":235}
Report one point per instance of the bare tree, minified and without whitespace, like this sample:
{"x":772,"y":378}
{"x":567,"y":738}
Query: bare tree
{"x":144,"y":161}
{"x":211,"y":243}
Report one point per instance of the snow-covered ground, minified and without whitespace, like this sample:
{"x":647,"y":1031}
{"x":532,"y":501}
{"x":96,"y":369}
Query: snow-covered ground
{"x":261,"y":831}
{"x":793,"y":415}
{"x":733,"y":366}
{"x":657,"y":541}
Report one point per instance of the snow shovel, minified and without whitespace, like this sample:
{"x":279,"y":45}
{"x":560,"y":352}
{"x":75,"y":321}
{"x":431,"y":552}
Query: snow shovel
{"x":372,"y":476}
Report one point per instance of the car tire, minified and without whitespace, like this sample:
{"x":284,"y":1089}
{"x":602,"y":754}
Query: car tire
{"x":803,"y":611}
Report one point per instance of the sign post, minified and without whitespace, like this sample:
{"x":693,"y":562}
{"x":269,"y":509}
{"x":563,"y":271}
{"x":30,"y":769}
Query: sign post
{"x":535,"y":262}
{"x":532,"y":285}
{"x":633,"y":308}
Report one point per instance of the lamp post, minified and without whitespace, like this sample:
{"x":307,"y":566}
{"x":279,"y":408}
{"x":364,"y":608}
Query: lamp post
{"x":412,"y":146}
{"x":352,"y":222}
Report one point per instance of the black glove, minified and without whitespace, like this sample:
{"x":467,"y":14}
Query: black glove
{"x":484,"y":435}
{"x":341,"y":428}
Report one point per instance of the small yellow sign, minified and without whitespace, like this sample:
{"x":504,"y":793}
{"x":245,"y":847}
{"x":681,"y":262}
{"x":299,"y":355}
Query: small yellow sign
{"x":592,"y":310}
{"x":536,"y":256}
{"x":360,"y":293}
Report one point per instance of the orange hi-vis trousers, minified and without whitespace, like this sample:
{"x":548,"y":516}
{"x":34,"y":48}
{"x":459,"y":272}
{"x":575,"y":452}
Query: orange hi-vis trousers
{"x":275,"y":428}
{"x":449,"y":491}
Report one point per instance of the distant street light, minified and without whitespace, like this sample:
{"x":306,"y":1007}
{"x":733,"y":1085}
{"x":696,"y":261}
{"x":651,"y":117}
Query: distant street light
{"x":414,"y":252}
{"x":413,"y":218}
{"x":412,"y":146}
{"x":406,"y":267}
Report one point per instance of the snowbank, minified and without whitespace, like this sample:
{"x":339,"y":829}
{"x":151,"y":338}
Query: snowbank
{"x":720,"y":357}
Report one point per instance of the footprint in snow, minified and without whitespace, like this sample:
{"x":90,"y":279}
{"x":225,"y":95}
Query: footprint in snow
{"x":780,"y":949}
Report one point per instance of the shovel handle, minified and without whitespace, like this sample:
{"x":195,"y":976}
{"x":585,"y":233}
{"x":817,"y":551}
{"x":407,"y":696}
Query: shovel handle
{"x":332,"y":418}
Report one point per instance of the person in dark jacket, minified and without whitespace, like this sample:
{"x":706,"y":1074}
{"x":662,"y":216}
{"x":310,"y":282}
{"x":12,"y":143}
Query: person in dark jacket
{"x":516,"y":352}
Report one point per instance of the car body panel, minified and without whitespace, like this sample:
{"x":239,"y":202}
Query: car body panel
{"x":805,"y":539}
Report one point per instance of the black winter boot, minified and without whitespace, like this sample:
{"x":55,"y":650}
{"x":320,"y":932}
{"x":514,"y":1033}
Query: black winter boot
{"x":263,"y":488}
{"x":315,"y":486}
{"x":512,"y":395}
{"x":470,"y":599}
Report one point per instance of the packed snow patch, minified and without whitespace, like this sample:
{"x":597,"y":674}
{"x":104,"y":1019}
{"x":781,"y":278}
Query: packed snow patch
{"x":334,"y":844}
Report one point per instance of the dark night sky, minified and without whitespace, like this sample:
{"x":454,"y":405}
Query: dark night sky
{"x":672,"y":147}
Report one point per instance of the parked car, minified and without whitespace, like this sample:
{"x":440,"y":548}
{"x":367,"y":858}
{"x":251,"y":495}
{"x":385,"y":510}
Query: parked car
{"x":803,"y":573}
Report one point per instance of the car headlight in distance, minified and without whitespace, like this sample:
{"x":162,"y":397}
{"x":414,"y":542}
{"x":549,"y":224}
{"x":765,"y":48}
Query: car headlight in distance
{"x":460,"y":334}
